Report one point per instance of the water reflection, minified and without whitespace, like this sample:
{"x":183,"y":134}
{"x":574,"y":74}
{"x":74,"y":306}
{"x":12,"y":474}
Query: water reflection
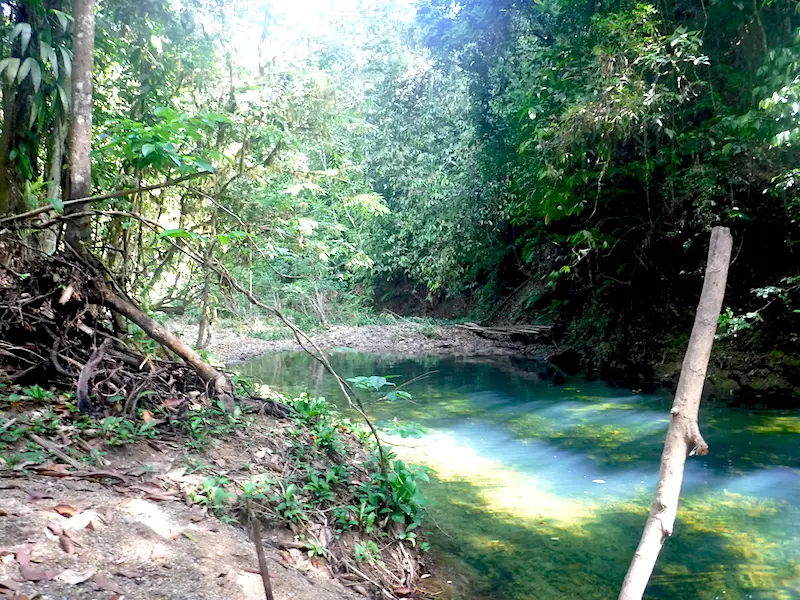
{"x":545,"y":488}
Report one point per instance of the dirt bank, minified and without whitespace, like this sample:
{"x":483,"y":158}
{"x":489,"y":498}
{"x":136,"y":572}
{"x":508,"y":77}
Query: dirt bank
{"x":401,"y":338}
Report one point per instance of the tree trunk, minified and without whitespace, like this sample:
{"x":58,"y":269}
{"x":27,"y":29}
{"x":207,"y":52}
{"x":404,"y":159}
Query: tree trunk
{"x":683,"y":435}
{"x":78,"y":231}
{"x":206,"y":296}
{"x":219,"y":382}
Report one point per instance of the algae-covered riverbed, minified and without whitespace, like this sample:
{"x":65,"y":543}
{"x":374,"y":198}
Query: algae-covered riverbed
{"x":543,"y":489}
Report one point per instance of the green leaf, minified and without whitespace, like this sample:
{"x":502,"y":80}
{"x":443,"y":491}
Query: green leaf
{"x":23,"y":30}
{"x":52,"y":58}
{"x":63,"y":18}
{"x":204,"y":166}
{"x":148,"y":149}
{"x":178,"y":233}
{"x":57,"y":204}
{"x":30,"y":65}
{"x":66,"y":59}
{"x":11,"y":67}
{"x":62,"y":94}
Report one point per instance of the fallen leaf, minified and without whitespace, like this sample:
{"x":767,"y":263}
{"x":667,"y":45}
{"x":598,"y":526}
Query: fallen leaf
{"x":56,"y":529}
{"x":52,"y":470}
{"x":30,"y":573}
{"x":66,"y":510}
{"x":287,"y":557}
{"x":130,"y":574}
{"x":67,"y":545}
{"x":74,"y":577}
{"x":88,"y":518}
{"x":23,"y":554}
{"x":3,"y":513}
{"x":9,"y":584}
{"x":21,"y":597}
{"x":106,"y":584}
{"x":176,"y":475}
{"x":147,"y":416}
{"x":189,"y":536}
{"x":66,"y":294}
{"x":170,"y":402}
{"x":255,"y":570}
{"x":402,"y":591}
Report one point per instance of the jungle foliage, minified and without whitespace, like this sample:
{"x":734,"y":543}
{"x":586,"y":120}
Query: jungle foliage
{"x":576,"y":151}
{"x":594,"y":146}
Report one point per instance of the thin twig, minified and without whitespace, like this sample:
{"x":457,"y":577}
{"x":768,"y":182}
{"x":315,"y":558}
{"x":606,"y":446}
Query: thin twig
{"x":51,"y":447}
{"x":118,"y":194}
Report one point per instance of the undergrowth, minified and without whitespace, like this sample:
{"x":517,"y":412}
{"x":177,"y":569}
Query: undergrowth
{"x":332,"y":472}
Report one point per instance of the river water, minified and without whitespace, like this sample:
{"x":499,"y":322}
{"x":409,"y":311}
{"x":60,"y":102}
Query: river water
{"x":540,"y":491}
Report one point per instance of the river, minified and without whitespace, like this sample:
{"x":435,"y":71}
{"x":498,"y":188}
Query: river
{"x":540,"y":491}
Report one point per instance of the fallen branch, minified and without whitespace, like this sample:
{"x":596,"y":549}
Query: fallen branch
{"x":223,"y":388}
{"x":683,"y":435}
{"x":51,"y":447}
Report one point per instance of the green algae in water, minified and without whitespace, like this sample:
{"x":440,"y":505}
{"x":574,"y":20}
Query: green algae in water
{"x":544,"y":489}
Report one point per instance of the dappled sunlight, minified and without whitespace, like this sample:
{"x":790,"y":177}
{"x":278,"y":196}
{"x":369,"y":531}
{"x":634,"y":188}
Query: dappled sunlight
{"x":543,"y":490}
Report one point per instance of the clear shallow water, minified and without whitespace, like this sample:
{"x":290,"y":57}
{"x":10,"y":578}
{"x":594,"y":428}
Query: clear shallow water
{"x":544,"y":489}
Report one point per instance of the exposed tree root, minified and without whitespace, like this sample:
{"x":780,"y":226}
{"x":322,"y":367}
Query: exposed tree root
{"x":56,"y":328}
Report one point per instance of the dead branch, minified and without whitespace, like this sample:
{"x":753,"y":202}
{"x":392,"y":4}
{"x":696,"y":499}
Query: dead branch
{"x":683,"y":435}
{"x":51,"y":447}
{"x":222,"y":386}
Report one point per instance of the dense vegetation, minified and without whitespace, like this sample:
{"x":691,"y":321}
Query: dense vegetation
{"x":573,"y":153}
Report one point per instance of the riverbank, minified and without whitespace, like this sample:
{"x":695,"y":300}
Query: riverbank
{"x":403,"y":338}
{"x":161,"y":505}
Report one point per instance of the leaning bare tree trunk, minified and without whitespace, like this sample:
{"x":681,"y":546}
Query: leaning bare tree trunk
{"x":78,"y":230}
{"x":219,"y":382}
{"x":683,"y":435}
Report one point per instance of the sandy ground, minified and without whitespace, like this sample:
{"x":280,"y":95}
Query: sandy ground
{"x":138,"y":549}
{"x":138,"y":535}
{"x":406,"y":338}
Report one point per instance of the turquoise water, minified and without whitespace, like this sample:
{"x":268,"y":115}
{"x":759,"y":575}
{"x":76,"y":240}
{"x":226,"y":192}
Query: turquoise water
{"x":540,"y":491}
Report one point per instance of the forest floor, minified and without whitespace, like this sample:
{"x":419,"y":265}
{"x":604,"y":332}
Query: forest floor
{"x":231,"y":344}
{"x":155,"y":518}
{"x":130,"y":528}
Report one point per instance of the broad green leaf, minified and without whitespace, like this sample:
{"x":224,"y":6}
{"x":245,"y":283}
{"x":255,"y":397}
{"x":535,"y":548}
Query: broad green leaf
{"x":11,"y":67}
{"x":23,"y":30}
{"x":44,"y":51}
{"x":53,"y":60}
{"x":204,"y":166}
{"x":66,"y":59}
{"x":57,"y":204}
{"x":63,"y":18}
{"x":62,"y":94}
{"x":178,"y":233}
{"x":30,"y":65}
{"x":148,"y":149}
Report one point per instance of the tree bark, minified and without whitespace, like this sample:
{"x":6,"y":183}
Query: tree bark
{"x":221,"y":385}
{"x":683,"y":435}
{"x":206,"y":296}
{"x":78,"y":231}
